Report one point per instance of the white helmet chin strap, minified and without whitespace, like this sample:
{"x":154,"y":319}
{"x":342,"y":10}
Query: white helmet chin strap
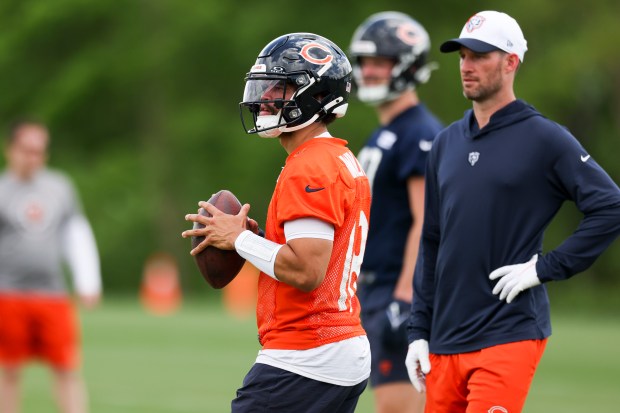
{"x":373,"y":95}
{"x":268,"y":122}
{"x":271,"y":121}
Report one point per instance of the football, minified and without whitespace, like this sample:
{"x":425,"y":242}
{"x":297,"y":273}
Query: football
{"x":218,"y":267}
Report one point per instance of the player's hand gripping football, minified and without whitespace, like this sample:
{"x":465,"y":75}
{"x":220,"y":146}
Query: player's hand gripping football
{"x":514,"y":279}
{"x":220,"y":230}
{"x":418,"y":364}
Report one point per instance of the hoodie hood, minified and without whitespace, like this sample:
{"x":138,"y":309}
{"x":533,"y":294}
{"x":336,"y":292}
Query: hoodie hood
{"x":514,"y":112}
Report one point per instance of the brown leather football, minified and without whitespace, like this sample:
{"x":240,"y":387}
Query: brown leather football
{"x":218,"y":267}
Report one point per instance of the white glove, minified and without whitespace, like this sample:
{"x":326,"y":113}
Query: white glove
{"x":418,"y":364}
{"x":516,"y":278}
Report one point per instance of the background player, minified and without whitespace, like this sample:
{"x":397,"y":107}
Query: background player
{"x":40,"y":225}
{"x":389,"y":52}
{"x":495,"y":179}
{"x":315,"y":356}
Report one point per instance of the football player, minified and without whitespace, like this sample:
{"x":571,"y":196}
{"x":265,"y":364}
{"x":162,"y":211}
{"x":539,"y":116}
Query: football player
{"x":389,"y":53}
{"x":315,"y":355}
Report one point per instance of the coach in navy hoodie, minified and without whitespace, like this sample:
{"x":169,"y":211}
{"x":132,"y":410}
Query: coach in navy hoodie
{"x":494,"y":181}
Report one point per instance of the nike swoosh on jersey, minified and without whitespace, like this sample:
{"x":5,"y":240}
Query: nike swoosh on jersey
{"x":309,"y":189}
{"x":585,"y":158}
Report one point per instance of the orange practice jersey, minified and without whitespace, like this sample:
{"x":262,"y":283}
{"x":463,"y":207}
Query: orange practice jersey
{"x":321,"y":179}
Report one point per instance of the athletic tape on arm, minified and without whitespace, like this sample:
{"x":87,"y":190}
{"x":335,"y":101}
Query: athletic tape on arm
{"x":259,"y":251}
{"x":262,"y":253}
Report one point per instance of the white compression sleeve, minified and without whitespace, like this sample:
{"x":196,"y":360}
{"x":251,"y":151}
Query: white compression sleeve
{"x":259,"y":251}
{"x":308,"y":228}
{"x":80,"y":251}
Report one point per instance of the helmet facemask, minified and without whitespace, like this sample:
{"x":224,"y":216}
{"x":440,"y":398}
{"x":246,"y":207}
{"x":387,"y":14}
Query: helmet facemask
{"x":406,"y":74}
{"x":265,"y":104}
{"x":285,"y":103}
{"x":396,"y":36}
{"x":375,"y":94}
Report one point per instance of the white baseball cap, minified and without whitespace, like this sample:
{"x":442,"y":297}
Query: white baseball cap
{"x":487,"y":31}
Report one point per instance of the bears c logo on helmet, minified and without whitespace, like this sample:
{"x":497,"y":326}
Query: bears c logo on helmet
{"x":408,"y":34}
{"x":305,"y":53}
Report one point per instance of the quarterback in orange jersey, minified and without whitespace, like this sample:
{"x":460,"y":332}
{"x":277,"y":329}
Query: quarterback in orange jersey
{"x":315,"y":355}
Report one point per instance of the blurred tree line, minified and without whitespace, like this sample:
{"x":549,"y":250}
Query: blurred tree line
{"x":141,"y":97}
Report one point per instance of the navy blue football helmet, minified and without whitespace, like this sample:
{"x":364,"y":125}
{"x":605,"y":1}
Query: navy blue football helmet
{"x":298,"y":79}
{"x":396,"y":36}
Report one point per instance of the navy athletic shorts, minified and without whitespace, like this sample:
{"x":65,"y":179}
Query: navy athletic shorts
{"x":388,"y":349}
{"x":268,"y":389}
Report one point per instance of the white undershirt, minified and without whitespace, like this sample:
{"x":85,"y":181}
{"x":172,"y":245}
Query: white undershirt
{"x":343,"y":363}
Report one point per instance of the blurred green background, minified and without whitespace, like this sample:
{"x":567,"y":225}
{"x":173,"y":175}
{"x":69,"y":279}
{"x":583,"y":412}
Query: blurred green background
{"x":142,"y":100}
{"x":141,"y":97}
{"x":193,"y":362}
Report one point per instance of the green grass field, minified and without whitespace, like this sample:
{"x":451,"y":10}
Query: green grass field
{"x":194,"y":361}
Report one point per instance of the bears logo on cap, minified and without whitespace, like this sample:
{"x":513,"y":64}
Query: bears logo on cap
{"x":474,"y":22}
